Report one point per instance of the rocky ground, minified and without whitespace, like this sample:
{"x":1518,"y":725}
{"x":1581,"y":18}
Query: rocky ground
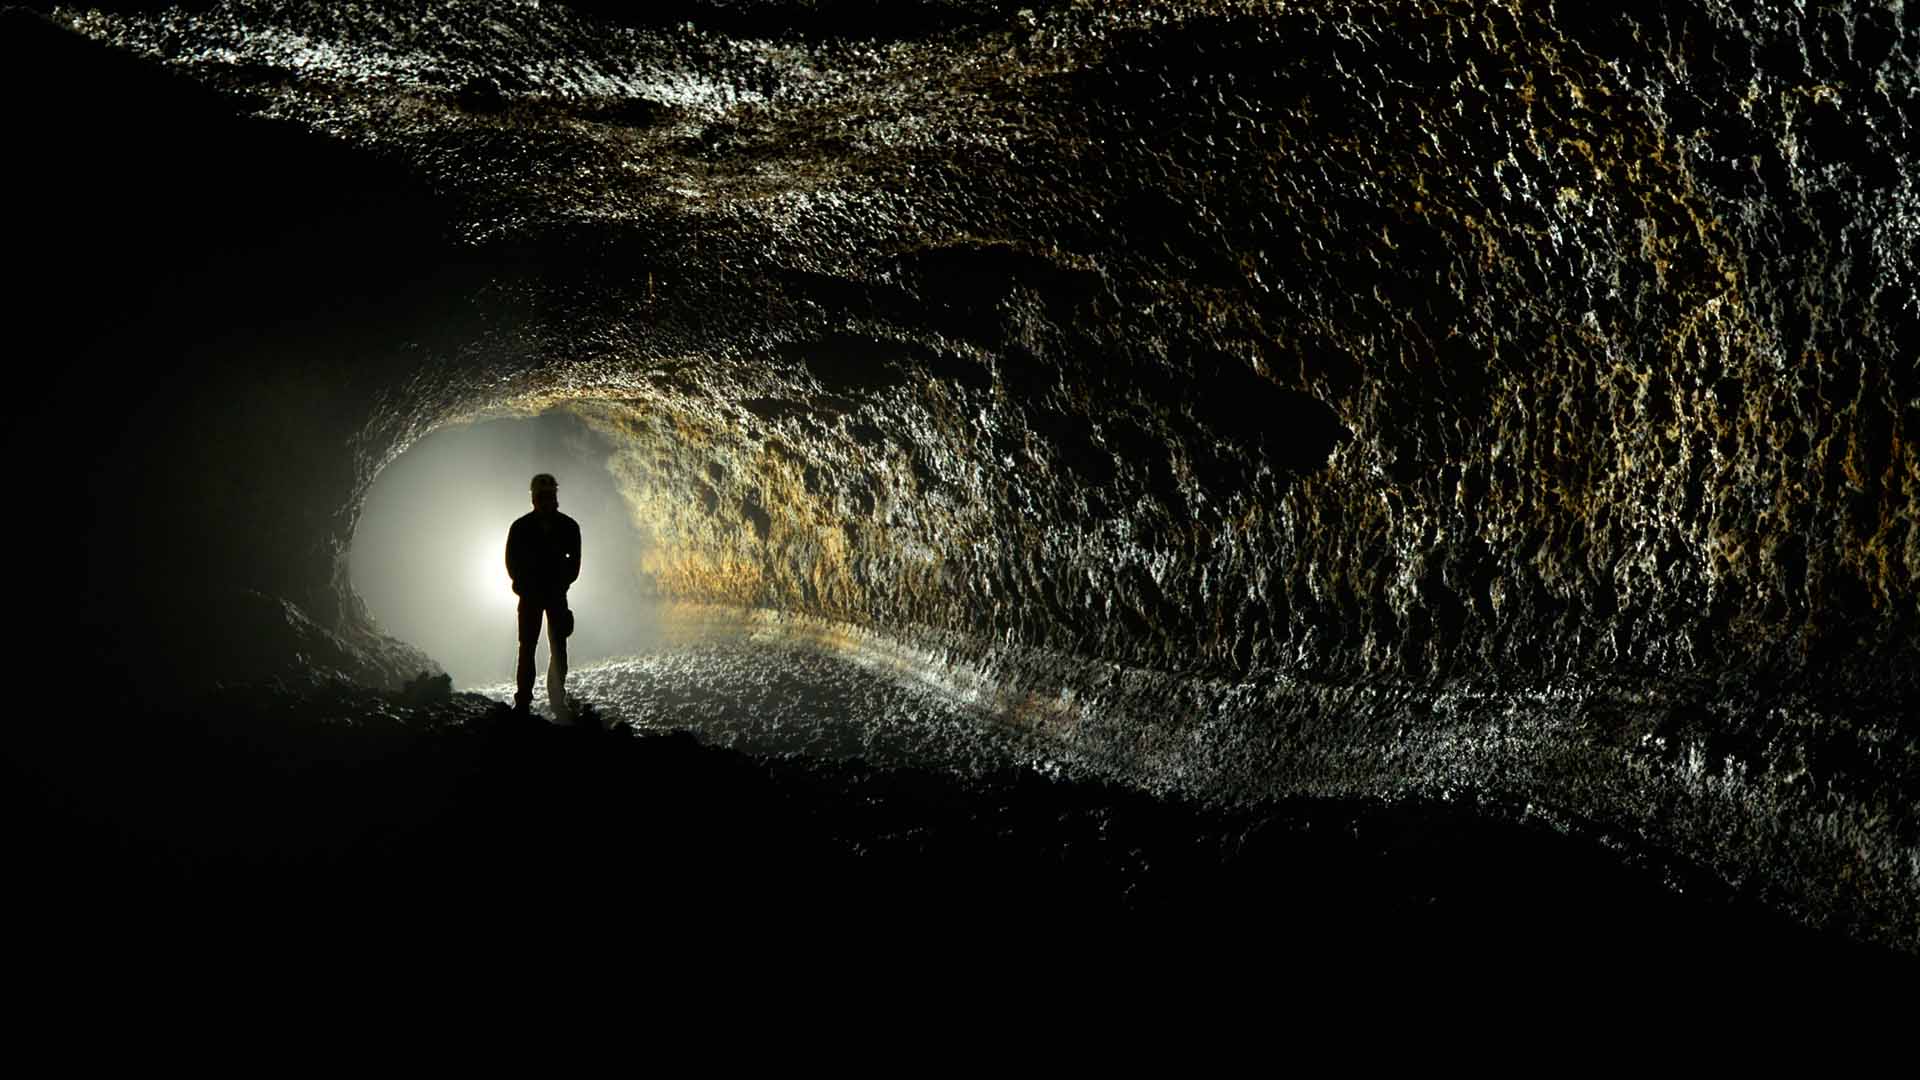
{"x":746,"y":792}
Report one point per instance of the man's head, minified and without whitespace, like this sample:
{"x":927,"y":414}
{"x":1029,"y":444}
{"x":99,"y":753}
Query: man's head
{"x":546,"y":492}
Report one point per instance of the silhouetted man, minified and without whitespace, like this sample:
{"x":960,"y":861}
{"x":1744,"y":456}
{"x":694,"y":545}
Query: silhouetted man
{"x":543,"y":558}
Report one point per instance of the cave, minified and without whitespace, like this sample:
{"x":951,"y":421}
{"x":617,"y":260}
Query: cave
{"x":1438,"y":471}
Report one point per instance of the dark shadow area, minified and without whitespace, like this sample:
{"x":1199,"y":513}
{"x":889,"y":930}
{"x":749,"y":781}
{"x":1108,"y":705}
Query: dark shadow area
{"x":373,"y":814}
{"x":204,"y":302}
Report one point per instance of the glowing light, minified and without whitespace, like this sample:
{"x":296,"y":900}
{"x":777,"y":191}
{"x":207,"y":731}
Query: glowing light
{"x":429,"y":549}
{"x":490,"y":578}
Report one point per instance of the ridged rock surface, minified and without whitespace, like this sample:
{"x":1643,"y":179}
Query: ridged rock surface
{"x":1473,"y":400}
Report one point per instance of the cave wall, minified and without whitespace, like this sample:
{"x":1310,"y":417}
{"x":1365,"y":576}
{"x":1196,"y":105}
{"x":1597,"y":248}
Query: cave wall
{"x":1371,"y":339}
{"x":1255,"y":357}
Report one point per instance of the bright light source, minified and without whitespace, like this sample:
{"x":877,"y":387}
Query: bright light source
{"x":490,"y":580}
{"x":429,"y":554}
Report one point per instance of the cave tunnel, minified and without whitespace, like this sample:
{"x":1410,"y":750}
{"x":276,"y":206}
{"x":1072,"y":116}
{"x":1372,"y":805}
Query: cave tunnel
{"x":1123,"y":448}
{"x":427,"y":555}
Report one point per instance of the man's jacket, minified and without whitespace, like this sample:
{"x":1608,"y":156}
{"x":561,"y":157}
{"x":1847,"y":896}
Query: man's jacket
{"x":543,"y":553}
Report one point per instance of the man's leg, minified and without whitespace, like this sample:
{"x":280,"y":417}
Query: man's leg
{"x":557,"y":664}
{"x":529,"y":639}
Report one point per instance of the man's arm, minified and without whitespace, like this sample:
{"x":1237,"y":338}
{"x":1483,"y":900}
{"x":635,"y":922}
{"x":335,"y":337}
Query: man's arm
{"x":573,"y":553}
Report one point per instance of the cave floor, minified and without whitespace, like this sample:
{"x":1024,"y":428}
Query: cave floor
{"x":734,"y":788}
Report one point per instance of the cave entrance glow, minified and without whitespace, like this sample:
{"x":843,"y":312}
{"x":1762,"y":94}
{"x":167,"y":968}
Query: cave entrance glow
{"x":428,"y":552}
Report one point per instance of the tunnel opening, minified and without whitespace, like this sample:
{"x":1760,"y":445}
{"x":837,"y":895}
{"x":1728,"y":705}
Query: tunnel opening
{"x":427,"y":555}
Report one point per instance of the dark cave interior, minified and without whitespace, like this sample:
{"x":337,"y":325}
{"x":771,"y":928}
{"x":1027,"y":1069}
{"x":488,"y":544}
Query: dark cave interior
{"x":1437,"y":471}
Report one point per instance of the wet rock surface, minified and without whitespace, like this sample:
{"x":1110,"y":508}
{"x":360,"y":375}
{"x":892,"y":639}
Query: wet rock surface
{"x":1364,"y":400}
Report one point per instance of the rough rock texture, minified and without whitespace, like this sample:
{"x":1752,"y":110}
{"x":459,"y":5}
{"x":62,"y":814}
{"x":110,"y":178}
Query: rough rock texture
{"x":1329,"y":398}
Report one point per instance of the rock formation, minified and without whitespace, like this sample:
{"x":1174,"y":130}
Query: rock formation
{"x":1449,"y":399}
